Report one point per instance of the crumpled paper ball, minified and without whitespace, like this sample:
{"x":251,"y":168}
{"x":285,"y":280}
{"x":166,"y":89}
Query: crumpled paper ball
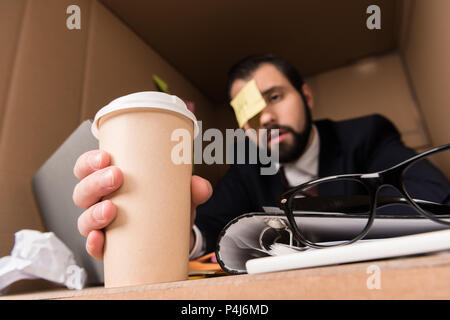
{"x":40,"y":255}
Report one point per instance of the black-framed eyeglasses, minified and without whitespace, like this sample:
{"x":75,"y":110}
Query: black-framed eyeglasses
{"x":415,"y":182}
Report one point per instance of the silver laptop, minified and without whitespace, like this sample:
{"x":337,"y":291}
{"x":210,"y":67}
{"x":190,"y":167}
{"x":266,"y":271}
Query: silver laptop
{"x":53,"y":186}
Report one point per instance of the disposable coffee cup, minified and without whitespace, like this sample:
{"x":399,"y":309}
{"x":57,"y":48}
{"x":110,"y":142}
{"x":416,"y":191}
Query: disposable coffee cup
{"x":148,"y":241}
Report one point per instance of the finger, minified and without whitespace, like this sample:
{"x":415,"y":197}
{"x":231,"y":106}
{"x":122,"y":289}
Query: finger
{"x":89,"y":162}
{"x":94,"y":244}
{"x":96,"y":185}
{"x":96,"y":217}
{"x":201,"y":190}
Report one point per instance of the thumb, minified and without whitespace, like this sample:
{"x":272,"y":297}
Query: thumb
{"x":201,"y":191}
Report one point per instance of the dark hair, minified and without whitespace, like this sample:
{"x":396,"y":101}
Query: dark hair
{"x":243,"y":69}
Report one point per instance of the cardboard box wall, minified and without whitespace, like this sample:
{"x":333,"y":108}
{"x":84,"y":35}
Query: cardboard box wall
{"x":426,"y":50}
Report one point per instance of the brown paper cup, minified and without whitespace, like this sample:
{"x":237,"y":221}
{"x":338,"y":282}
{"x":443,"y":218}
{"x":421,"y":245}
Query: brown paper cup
{"x":148,"y":242}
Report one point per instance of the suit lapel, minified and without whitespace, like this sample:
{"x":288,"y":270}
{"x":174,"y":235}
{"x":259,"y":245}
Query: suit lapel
{"x":331,"y":161}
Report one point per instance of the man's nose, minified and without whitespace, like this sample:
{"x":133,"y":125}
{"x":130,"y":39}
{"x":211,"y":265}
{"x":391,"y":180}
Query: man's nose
{"x":267,"y":118}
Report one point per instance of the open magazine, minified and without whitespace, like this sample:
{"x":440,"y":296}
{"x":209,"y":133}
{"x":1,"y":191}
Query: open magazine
{"x":265,"y":234}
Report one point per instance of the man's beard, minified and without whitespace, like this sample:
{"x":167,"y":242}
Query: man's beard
{"x":291,"y":152}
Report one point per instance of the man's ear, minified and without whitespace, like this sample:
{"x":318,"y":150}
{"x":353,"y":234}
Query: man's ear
{"x":307,"y":92}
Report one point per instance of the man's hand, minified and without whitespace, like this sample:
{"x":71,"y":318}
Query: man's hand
{"x":98,"y":179}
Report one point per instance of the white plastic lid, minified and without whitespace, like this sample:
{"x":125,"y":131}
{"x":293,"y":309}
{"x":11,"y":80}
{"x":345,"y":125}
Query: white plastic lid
{"x":146,"y":99}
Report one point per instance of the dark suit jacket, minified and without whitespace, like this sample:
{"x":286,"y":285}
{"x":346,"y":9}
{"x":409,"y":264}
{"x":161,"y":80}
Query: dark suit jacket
{"x":361,"y":145}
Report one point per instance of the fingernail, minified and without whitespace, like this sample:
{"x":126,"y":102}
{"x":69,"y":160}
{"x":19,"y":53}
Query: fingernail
{"x":95,"y":161}
{"x":98,"y":212}
{"x":107,"y":179}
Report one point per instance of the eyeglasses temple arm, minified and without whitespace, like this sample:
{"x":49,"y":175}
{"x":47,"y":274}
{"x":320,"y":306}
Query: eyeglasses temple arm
{"x":360,"y":204}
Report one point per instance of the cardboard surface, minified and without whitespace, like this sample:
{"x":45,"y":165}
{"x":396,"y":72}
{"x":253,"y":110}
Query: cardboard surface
{"x":371,"y":85}
{"x":421,"y":277}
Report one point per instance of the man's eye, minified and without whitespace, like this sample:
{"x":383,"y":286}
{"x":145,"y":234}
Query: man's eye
{"x":274,"y":98}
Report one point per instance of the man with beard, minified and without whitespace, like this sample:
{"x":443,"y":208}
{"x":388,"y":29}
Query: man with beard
{"x":307,"y":150}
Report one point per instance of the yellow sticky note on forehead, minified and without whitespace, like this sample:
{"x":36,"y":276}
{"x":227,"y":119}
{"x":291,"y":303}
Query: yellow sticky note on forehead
{"x":248,"y":103}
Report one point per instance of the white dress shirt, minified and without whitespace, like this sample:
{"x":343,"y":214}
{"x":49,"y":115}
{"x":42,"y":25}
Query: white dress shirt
{"x":306,"y":167}
{"x":297,"y":172}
